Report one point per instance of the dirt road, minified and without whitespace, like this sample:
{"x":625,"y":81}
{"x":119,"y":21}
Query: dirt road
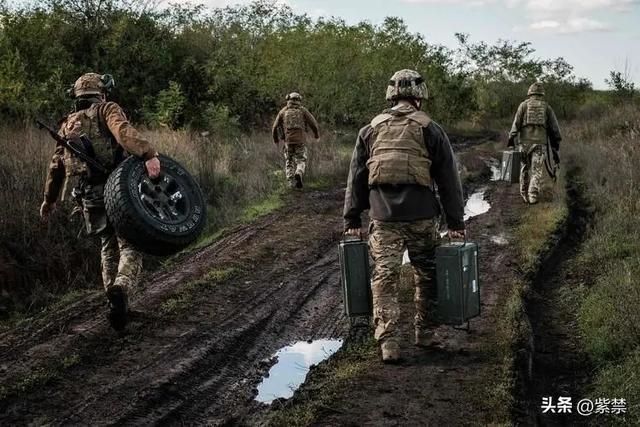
{"x":206,"y":327}
{"x":191,"y":357}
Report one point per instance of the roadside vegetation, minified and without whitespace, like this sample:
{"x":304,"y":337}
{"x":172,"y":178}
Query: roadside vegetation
{"x":205,"y":84}
{"x":607,"y":151}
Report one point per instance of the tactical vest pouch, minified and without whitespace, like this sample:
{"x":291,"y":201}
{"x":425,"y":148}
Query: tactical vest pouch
{"x":95,"y":141}
{"x":536,"y":113}
{"x":399,"y":168}
{"x":72,"y":165}
{"x":398,"y":153}
{"x":293,"y":119}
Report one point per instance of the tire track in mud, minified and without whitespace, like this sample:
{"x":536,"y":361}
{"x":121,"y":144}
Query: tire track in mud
{"x":203,"y":366}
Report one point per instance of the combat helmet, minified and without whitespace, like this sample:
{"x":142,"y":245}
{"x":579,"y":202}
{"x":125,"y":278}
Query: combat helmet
{"x":294,"y":96}
{"x":92,"y":84}
{"x":407,"y":84}
{"x":536,"y":89}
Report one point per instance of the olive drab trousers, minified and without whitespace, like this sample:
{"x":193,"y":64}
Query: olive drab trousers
{"x":387,"y":243}
{"x":532,"y":173}
{"x":295,"y":156}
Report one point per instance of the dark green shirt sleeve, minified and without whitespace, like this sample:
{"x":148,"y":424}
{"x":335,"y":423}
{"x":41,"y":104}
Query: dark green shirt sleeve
{"x":444,"y":172}
{"x":517,"y":121}
{"x":553,"y":129}
{"x":356,"y":198}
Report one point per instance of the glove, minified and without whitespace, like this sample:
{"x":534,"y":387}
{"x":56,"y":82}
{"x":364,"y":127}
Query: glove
{"x":512,"y":141}
{"x":556,"y":157}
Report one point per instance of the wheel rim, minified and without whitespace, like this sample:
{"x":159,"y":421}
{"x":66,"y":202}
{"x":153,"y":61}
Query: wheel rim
{"x":163,"y":198}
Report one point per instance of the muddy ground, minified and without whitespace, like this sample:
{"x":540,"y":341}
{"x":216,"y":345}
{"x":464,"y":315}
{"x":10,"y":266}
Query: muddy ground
{"x":444,"y":385}
{"x":205,"y":328}
{"x":257,"y":289}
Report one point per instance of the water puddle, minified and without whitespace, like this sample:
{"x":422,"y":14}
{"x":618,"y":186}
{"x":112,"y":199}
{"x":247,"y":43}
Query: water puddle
{"x":292,"y":368}
{"x":476,"y":205}
{"x":496,"y":172}
{"x":500,"y":239}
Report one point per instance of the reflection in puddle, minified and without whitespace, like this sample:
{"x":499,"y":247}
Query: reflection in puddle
{"x":496,"y":172}
{"x":292,"y":367}
{"x":476,"y":205}
{"x":500,"y":239}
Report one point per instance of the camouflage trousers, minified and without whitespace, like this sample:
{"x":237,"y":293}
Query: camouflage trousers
{"x":121,"y":262}
{"x":532,"y":171}
{"x":387,"y":243}
{"x":295,"y":156}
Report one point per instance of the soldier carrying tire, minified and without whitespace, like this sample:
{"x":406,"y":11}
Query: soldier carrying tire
{"x":135,"y":200}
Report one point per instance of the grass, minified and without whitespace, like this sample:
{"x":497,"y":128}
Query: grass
{"x":607,"y":150}
{"x":38,"y":377}
{"x":241,"y":176}
{"x":330,"y":379}
{"x":533,"y":235}
{"x":189,"y":293}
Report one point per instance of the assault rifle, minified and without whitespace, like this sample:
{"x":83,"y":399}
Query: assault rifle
{"x":79,"y":152}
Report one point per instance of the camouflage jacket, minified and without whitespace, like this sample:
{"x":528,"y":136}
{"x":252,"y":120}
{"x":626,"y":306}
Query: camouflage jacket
{"x":551,"y":126}
{"x":119,"y":128}
{"x":294,"y":136}
{"x":405,"y":202}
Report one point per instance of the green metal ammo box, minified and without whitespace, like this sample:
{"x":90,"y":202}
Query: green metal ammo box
{"x":510,"y":170}
{"x":356,"y":284}
{"x":458,"y":283}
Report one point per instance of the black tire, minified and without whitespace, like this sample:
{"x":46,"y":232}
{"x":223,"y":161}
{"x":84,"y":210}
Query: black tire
{"x":161,"y":216}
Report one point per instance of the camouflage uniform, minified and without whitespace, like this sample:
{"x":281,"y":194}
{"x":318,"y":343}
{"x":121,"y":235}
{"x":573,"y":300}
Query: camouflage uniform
{"x":396,"y":160}
{"x":387,"y":242}
{"x":536,"y":126}
{"x":291,"y":124}
{"x":111,"y":135}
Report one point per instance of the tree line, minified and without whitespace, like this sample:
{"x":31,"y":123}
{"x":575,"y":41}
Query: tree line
{"x":225,"y":69}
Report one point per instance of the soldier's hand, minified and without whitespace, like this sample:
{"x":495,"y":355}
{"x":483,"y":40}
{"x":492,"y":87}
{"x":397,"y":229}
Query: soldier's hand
{"x":355,"y":232}
{"x":457,"y":234}
{"x":512,"y":142}
{"x":45,"y":210}
{"x":153,"y":167}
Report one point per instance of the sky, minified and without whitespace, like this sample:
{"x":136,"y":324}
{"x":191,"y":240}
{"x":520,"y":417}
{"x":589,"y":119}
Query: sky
{"x":595,"y":36}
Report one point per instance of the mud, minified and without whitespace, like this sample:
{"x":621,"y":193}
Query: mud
{"x":444,"y":385}
{"x":556,"y":364}
{"x":203,"y":364}
{"x":292,"y":366}
{"x":198,"y":366}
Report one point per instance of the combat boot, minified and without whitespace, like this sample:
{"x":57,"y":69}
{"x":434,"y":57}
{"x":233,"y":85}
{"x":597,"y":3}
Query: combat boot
{"x":298,"y":179}
{"x":118,"y":307}
{"x":390,"y":351}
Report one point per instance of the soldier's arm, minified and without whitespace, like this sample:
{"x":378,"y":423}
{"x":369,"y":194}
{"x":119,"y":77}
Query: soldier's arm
{"x":356,"y":199}
{"x":517,"y":122}
{"x":312,"y":123}
{"x":125,"y":134}
{"x":55,"y":176}
{"x":444,"y":171}
{"x":553,"y":129}
{"x":274,"y":129}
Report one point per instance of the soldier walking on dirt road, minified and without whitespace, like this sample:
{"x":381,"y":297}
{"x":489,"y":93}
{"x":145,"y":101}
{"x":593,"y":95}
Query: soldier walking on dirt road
{"x":536,"y":127}
{"x":396,"y":161}
{"x":291,"y":124}
{"x":110,"y":138}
